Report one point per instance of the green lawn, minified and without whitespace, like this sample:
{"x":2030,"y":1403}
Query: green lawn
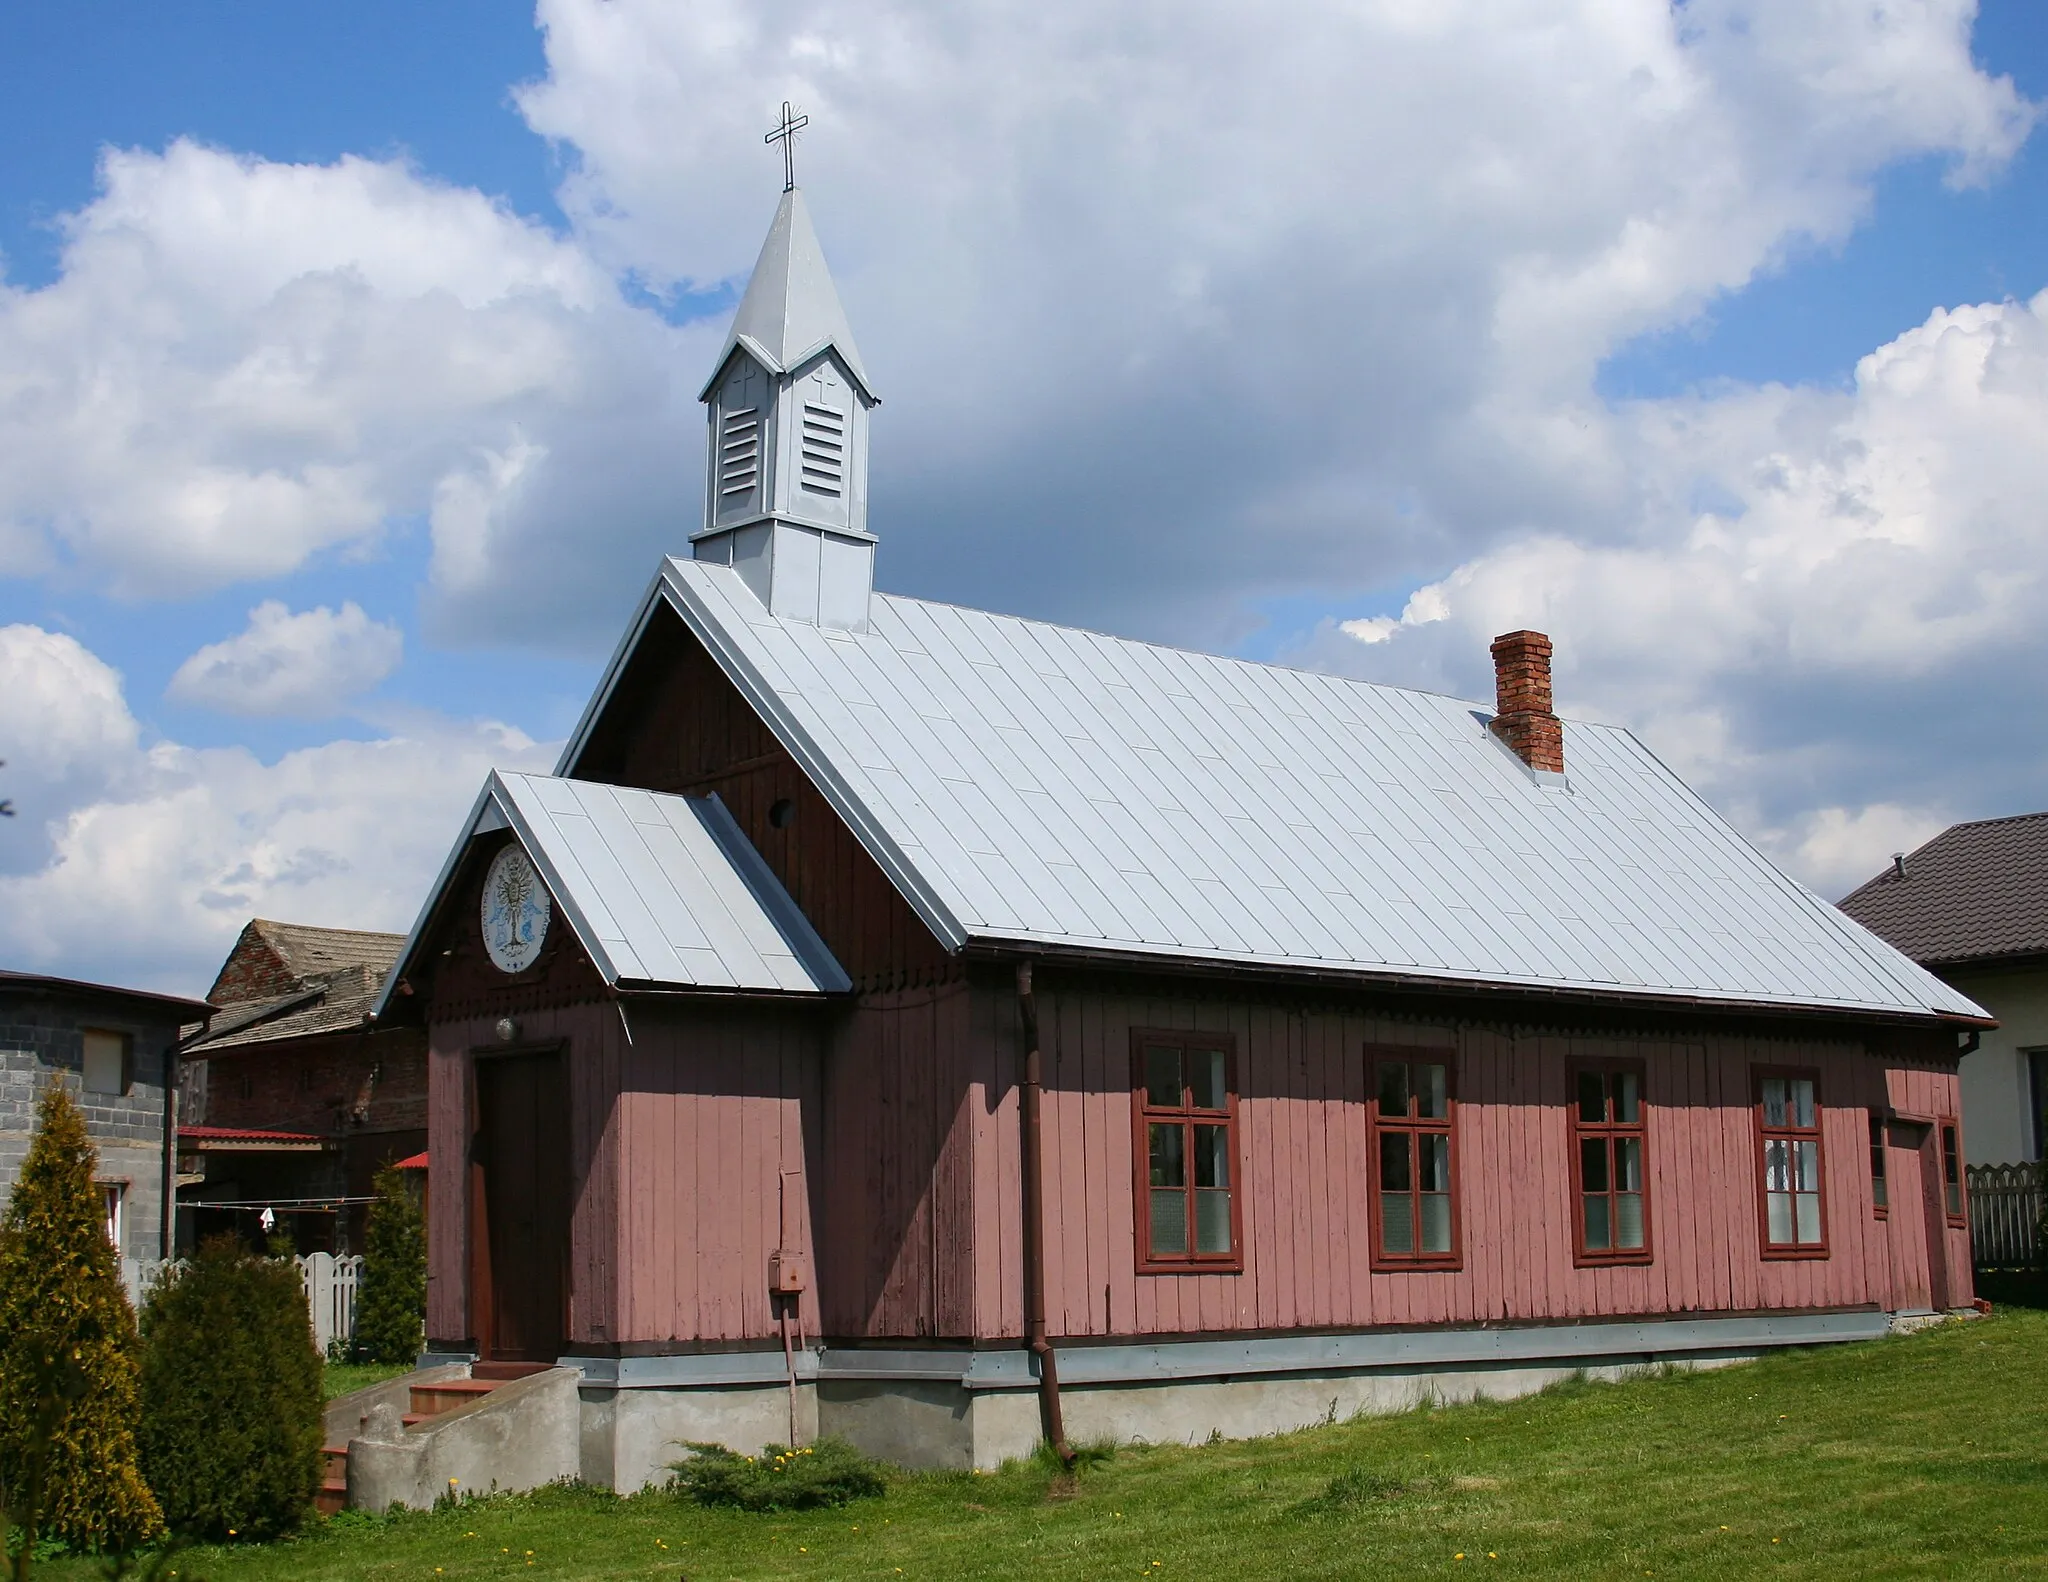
{"x":1921,"y":1456}
{"x":342,"y":1377}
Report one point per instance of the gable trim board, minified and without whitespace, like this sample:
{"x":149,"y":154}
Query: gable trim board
{"x":1029,"y":786}
{"x":661,"y":891}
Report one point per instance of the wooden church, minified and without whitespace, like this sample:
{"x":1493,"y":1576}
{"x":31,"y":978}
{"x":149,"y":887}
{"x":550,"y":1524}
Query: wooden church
{"x":949,"y":1030}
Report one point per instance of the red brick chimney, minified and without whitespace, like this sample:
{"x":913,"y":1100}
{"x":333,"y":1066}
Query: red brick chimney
{"x":1521,"y":684}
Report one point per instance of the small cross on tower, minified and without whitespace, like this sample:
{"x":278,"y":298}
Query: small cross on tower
{"x":785,"y":134}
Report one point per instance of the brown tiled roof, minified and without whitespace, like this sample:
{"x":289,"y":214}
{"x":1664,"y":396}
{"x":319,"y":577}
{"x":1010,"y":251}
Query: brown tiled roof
{"x":331,"y":1002}
{"x":311,"y":952}
{"x":1975,"y":892}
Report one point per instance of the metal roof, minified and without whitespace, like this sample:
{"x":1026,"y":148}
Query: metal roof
{"x":791,"y":310}
{"x":1030,"y":784}
{"x":145,"y":1001}
{"x":1976,"y":892}
{"x":661,"y":891}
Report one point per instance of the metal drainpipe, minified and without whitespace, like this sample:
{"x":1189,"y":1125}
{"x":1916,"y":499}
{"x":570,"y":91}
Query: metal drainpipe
{"x":1032,"y":1172}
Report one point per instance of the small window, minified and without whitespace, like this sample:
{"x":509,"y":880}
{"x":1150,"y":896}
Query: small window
{"x":1609,"y":1163}
{"x":1185,"y":1087}
{"x":107,"y":1061}
{"x":114,"y":1199}
{"x":1952,"y":1175}
{"x":1414,"y":1197}
{"x":1880,"y":1171}
{"x":1788,"y":1139}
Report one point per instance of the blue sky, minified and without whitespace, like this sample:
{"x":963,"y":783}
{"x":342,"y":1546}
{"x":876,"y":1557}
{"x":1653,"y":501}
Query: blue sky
{"x":987,"y":270}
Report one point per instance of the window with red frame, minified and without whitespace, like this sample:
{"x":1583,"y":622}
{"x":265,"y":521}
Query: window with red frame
{"x":1880,"y":1168}
{"x":1952,"y":1175}
{"x":1608,"y":1165}
{"x":1415,"y":1206}
{"x":1186,"y":1145}
{"x":1788,"y":1139}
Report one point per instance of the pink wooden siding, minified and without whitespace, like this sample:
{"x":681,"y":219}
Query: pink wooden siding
{"x":710,"y":1116}
{"x":588,"y":1034}
{"x":1304,"y":1163}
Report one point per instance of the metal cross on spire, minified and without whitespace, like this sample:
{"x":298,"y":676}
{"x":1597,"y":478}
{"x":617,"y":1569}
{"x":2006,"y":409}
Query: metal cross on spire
{"x":785,"y":134}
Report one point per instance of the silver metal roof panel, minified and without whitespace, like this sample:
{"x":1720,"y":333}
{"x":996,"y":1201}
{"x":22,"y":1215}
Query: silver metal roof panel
{"x":661,"y":891}
{"x":1031,"y":784}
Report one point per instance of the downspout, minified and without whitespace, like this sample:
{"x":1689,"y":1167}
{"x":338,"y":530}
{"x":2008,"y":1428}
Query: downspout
{"x":1032,"y":1172}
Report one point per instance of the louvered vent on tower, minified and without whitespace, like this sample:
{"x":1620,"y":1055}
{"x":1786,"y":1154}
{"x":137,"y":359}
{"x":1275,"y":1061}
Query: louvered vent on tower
{"x":824,"y":450}
{"x":739,"y":453}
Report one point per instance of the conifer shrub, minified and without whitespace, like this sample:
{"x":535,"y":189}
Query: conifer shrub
{"x":829,"y":1473}
{"x":62,"y":1309}
{"x":231,"y":1396}
{"x":391,"y":1304}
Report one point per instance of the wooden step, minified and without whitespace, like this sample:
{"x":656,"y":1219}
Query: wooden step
{"x":332,"y":1495}
{"x":430,"y":1400}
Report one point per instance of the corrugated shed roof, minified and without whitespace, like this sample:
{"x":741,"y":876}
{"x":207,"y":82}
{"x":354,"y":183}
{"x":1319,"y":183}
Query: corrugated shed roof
{"x":661,"y":891}
{"x":1025,"y":783}
{"x":1975,"y":892}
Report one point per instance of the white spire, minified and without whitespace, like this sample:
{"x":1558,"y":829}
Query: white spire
{"x":785,"y":489}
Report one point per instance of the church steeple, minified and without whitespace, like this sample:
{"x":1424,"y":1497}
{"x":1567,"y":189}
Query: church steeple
{"x":785,"y":486}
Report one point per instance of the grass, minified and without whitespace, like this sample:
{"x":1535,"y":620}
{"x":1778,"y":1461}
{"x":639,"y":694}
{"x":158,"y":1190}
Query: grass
{"x":1918,"y":1456}
{"x":343,"y":1377}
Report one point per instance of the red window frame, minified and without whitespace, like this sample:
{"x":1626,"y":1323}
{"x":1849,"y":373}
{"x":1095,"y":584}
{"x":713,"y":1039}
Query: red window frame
{"x":1880,"y":1166}
{"x":1793,"y":1137}
{"x":1610,"y":1135}
{"x":1415,"y":1127}
{"x":1953,"y":1210}
{"x":1186,"y":1117}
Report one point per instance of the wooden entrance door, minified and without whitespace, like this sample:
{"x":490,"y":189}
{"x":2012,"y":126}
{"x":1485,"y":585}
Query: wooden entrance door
{"x":520,"y":1249}
{"x":1940,"y":1296}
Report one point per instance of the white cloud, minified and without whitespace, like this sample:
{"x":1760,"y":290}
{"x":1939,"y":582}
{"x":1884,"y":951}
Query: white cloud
{"x":140,"y":863}
{"x":1214,"y":301}
{"x":244,"y":365}
{"x":1845,"y":651}
{"x":307,"y":665}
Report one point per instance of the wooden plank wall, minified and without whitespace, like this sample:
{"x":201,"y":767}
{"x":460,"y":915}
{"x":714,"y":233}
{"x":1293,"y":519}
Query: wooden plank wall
{"x":711,"y":1115}
{"x":896,"y":1249}
{"x":1304,"y":1161}
{"x":590,"y":1036}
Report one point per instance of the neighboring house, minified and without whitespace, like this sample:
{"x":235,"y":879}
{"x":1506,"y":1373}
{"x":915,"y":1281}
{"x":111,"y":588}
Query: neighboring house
{"x":880,"y":986}
{"x":293,"y":1100}
{"x":115,"y":1047}
{"x":1971,"y":906}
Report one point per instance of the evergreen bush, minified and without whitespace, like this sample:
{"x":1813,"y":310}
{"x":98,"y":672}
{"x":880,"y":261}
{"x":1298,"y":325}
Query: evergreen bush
{"x":62,"y":1308}
{"x":829,"y":1473}
{"x":231,"y":1396}
{"x":391,"y":1304}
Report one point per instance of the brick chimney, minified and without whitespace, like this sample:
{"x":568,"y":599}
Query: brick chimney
{"x":1521,"y":684}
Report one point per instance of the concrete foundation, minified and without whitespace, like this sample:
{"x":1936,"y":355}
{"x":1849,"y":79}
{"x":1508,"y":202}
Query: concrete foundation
{"x":520,"y":1436}
{"x":631,"y":1437}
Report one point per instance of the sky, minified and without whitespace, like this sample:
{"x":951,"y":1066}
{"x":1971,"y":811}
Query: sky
{"x":348,"y":364}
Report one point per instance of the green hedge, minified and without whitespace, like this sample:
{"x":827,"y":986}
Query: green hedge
{"x":231,"y":1393}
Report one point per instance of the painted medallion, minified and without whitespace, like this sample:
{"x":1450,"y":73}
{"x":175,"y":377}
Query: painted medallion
{"x":516,"y":911}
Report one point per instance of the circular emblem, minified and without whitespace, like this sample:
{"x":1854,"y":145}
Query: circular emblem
{"x":516,"y":911}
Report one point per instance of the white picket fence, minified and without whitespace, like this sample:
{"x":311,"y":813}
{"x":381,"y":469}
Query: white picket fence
{"x":329,"y":1282}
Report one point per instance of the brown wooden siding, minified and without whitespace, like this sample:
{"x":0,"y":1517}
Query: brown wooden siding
{"x":1304,"y":1162}
{"x":675,"y":723}
{"x":896,"y":1257}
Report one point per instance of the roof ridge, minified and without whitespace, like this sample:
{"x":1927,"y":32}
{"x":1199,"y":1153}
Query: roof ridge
{"x":1199,"y":653}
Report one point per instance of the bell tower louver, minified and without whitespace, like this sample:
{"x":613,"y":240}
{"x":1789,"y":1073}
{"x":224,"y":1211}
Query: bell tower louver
{"x":786,"y":477}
